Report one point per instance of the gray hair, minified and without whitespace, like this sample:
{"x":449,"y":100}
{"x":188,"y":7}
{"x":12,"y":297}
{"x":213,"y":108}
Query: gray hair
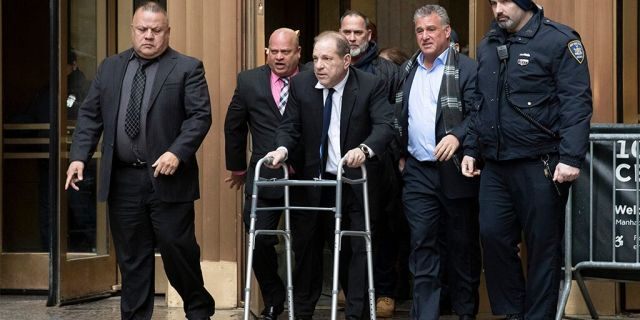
{"x":430,"y":9}
{"x":342,"y":45}
{"x":151,"y":6}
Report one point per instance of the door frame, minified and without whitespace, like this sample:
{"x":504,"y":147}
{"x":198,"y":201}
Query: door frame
{"x":76,"y":277}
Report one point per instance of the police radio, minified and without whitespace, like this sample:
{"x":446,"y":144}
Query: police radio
{"x":503,"y":52}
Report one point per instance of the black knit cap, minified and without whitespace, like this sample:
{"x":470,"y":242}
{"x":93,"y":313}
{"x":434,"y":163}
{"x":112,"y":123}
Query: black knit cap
{"x":524,"y":4}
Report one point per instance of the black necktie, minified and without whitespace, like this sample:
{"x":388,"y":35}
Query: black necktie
{"x":326,"y":119}
{"x":132,"y":118}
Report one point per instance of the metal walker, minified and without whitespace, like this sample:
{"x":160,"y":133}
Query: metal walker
{"x":286,"y":233}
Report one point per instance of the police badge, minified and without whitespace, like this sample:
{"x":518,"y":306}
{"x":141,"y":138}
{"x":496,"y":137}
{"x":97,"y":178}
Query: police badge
{"x":577,"y":51}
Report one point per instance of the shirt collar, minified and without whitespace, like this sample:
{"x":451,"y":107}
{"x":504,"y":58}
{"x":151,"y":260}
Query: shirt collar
{"x":134,"y":56}
{"x":339,"y":88}
{"x":275,"y":77}
{"x":439,"y":60}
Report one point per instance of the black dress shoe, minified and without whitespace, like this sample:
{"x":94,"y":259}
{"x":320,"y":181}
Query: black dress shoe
{"x":272,"y":312}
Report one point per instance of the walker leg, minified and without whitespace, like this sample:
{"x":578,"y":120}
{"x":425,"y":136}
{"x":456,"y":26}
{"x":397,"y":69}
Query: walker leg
{"x":336,"y":270}
{"x":372,"y":290}
{"x":287,"y":239}
{"x":247,"y":287}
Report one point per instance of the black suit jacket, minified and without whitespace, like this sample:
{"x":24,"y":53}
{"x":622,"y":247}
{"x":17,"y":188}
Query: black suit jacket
{"x":178,"y":119}
{"x":253,"y":109}
{"x":454,"y":184}
{"x":365,"y":118}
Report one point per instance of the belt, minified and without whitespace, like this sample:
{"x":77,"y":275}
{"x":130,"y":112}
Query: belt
{"x":137,"y":164}
{"x":428,"y":163}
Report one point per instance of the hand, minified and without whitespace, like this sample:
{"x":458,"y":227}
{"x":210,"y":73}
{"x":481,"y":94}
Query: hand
{"x":401,"y":164}
{"x":236,"y":180}
{"x":565,"y":173}
{"x":355,"y":158}
{"x":469,"y":167}
{"x":74,"y":174}
{"x":277,"y":158}
{"x":447,"y":147}
{"x":167,"y":164}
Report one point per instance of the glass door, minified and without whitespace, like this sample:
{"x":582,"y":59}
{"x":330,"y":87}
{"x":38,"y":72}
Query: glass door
{"x":51,"y":240}
{"x":26,"y":211}
{"x":86,"y":258}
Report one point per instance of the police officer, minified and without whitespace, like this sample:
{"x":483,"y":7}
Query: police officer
{"x":532,"y":132}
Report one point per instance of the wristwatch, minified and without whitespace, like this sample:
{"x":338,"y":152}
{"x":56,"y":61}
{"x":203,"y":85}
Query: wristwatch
{"x":365,"y":150}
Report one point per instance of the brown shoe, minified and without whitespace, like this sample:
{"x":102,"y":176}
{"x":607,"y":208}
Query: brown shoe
{"x":385,"y":307}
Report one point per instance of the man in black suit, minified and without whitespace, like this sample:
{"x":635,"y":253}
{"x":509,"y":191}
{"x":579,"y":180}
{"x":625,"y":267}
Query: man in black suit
{"x":334,"y":112}
{"x":258,"y":103}
{"x":438,"y":99}
{"x":152,"y":106}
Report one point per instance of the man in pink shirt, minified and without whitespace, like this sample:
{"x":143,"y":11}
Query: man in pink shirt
{"x":258,"y":105}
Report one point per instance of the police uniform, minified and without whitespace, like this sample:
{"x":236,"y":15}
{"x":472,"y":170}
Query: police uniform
{"x":535,"y":113}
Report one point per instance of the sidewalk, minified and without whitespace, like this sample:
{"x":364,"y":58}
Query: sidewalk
{"x":23,"y":307}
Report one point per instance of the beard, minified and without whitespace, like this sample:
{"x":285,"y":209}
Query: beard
{"x":355,"y":52}
{"x":508,"y":25}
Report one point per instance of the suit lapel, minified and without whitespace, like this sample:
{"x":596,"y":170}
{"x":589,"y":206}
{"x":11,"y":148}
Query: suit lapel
{"x":314,"y":109}
{"x":165,"y":65}
{"x":348,"y":102}
{"x":118,"y":77}
{"x":406,"y":93}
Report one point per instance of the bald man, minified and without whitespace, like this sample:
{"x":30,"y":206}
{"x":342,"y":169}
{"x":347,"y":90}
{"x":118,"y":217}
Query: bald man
{"x":257,"y":106}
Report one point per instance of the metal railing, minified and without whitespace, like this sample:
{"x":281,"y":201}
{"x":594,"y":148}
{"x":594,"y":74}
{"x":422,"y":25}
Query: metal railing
{"x":594,"y":200}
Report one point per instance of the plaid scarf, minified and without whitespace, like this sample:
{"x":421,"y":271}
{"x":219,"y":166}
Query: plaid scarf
{"x":450,"y":98}
{"x":450,"y":102}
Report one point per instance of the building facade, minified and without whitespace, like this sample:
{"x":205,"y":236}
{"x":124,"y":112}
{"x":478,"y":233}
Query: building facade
{"x":58,"y":242}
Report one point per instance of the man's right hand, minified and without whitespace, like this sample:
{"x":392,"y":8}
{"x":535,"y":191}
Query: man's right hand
{"x":277,"y":156}
{"x":469,"y":167}
{"x":235,"y":180}
{"x":74,"y":174}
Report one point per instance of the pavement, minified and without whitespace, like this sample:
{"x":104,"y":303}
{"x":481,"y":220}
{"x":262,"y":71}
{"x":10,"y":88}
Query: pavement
{"x":33,"y":307}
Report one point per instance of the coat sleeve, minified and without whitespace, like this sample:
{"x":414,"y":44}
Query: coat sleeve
{"x":89,"y":124}
{"x":236,"y":129}
{"x":574,"y":93}
{"x":381,"y":116}
{"x":470,"y":97}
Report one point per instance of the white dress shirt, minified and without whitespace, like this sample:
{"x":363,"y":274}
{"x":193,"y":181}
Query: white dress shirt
{"x":333,"y":147}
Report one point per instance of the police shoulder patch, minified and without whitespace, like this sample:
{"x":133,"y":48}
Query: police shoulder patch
{"x":576,"y":49}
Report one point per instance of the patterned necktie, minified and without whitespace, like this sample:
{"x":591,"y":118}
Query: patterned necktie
{"x":132,"y":118}
{"x":284,"y":95}
{"x":326,"y":119}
